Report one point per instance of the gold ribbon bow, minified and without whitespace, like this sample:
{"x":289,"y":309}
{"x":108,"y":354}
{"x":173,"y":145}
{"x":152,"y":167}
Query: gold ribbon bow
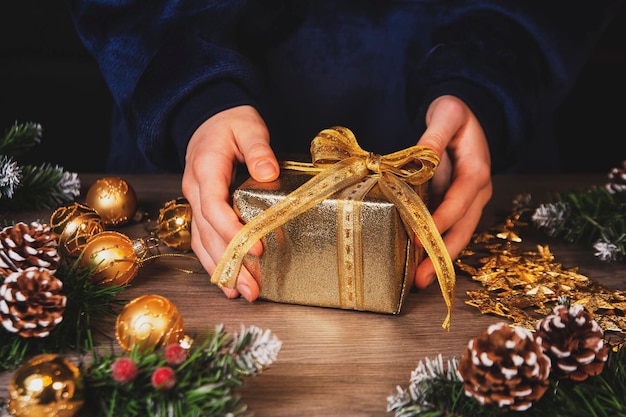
{"x":340,"y":163}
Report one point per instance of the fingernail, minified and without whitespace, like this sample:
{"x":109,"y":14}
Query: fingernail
{"x":244,"y":290}
{"x":264,"y":170}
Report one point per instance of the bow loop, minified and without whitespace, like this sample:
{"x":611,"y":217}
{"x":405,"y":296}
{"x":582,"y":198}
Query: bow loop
{"x":333,"y":145}
{"x":415,"y":165}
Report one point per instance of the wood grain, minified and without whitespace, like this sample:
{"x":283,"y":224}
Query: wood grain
{"x":335,"y":362}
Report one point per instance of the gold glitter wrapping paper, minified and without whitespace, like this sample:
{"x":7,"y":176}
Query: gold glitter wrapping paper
{"x":310,"y":259}
{"x":345,"y":173}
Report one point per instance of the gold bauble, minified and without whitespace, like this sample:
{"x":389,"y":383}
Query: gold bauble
{"x":75,"y":224}
{"x":113,"y":258}
{"x":150,"y":321}
{"x":48,"y":385}
{"x":174,"y":224}
{"x":114,"y":199}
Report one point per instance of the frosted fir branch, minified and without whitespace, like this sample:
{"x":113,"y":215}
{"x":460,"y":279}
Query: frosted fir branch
{"x":30,"y":187}
{"x":550,"y":217}
{"x":418,"y":398}
{"x":68,"y":185}
{"x":43,"y":186}
{"x":255,"y":349}
{"x":203,"y":382}
{"x":608,"y":250}
{"x":10,"y":176}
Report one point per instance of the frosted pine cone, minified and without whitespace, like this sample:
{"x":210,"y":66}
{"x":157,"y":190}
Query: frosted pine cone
{"x":617,"y":179}
{"x":31,"y":303}
{"x":23,"y":246}
{"x":574,"y":342}
{"x":505,"y":366}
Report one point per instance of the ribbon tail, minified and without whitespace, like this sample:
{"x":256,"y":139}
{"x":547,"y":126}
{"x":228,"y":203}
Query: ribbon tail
{"x":338,"y":176}
{"x":416,"y":215}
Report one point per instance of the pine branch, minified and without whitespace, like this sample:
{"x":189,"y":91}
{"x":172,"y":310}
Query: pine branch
{"x":43,"y":186}
{"x":10,"y":176}
{"x":590,"y":216}
{"x":439,"y":395}
{"x":89,"y":306}
{"x":204,"y":383}
{"x":31,"y":187}
{"x":20,"y":138}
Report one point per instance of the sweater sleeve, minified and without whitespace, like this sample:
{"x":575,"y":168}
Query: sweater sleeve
{"x":159,"y":56}
{"x":513,"y":63}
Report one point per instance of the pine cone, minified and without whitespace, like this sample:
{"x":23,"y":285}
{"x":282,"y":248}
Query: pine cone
{"x":574,"y":342}
{"x":31,"y":303}
{"x":617,"y":179}
{"x":505,"y":366}
{"x":23,"y":246}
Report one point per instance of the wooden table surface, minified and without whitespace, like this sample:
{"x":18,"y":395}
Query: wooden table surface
{"x":336,"y":362}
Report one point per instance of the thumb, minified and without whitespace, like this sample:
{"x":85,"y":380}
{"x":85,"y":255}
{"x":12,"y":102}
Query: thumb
{"x":264,"y":169}
{"x":444,"y":119}
{"x":260,"y":160}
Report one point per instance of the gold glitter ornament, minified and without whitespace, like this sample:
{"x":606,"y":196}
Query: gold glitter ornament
{"x":174,"y":224}
{"x":151,"y":321}
{"x":75,"y":224}
{"x":113,"y":257}
{"x":48,"y":385}
{"x":114,"y":199}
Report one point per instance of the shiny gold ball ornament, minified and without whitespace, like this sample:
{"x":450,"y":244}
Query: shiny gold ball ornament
{"x":114,"y":199}
{"x":113,"y":258}
{"x":174,"y":224}
{"x":75,"y":224}
{"x":151,"y":321}
{"x":48,"y":385}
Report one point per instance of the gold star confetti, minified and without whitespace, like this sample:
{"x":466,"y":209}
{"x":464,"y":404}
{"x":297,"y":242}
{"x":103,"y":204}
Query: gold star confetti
{"x":524,"y":286}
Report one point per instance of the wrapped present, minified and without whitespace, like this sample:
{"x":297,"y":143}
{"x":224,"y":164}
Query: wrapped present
{"x":338,"y":232}
{"x":350,"y":251}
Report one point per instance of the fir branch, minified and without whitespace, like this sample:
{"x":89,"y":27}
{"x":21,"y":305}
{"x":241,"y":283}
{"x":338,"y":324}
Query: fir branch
{"x":593,"y":216}
{"x":205,"y":382}
{"x":10,"y":176}
{"x":438,"y":394}
{"x":43,"y":186}
{"x":89,"y":306}
{"x":20,"y":138}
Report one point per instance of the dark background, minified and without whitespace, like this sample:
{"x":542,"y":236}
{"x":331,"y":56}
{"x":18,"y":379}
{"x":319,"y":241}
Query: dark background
{"x":47,"y":77}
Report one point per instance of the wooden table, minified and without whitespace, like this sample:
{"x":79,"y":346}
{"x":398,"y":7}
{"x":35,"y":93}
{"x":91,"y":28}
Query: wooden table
{"x":335,"y":362}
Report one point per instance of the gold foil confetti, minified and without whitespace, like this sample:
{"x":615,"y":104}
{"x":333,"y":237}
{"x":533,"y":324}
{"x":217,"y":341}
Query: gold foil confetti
{"x":524,"y":285}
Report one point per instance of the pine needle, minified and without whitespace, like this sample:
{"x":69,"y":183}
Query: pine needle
{"x":589,"y":217}
{"x":205,"y":383}
{"x":20,"y":138}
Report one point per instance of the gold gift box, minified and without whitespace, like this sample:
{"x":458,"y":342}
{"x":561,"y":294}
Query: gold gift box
{"x":346,"y":252}
{"x":332,"y":239}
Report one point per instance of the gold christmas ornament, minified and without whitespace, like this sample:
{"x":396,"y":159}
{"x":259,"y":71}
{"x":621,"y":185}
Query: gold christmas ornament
{"x":151,"y":321}
{"x":75,"y":224}
{"x":174,"y":224}
{"x":114,"y":199}
{"x":113,"y":256}
{"x":48,"y":385}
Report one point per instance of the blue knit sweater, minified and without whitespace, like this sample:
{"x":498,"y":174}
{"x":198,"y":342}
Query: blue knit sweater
{"x":370,"y":65}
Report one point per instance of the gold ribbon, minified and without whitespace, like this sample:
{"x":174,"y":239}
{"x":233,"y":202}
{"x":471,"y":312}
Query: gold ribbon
{"x":340,"y":162}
